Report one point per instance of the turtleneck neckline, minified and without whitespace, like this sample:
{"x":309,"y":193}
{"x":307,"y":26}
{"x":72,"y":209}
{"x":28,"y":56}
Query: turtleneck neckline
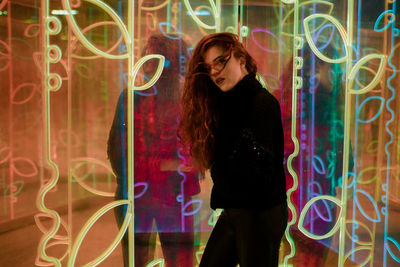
{"x":248,"y":84}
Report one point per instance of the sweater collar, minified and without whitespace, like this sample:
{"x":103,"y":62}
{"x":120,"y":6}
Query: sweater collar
{"x":245,"y":86}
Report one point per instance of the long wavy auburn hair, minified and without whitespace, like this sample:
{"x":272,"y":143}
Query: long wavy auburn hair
{"x":199,"y":119}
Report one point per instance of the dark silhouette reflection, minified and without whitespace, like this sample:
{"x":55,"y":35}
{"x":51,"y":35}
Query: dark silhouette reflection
{"x":161,"y":173}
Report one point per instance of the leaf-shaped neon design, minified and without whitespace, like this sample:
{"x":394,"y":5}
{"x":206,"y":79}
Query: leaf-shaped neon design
{"x":371,"y":172}
{"x":30,"y":87}
{"x":307,"y":207}
{"x":272,"y":82}
{"x":267,"y":34}
{"x":356,"y":68}
{"x":311,"y":3}
{"x":91,"y":27}
{"x":321,"y":214}
{"x":157,"y":262}
{"x":311,"y":43}
{"x":357,"y":249}
{"x":370,"y":100}
{"x":25,"y":162}
{"x":192,"y":203}
{"x":65,"y":243}
{"x":318,"y":164}
{"x":214,"y":12}
{"x":212,"y":220}
{"x":162,"y":25}
{"x":328,"y":41}
{"x":389,"y":21}
{"x":85,"y":229}
{"x":79,"y":163}
{"x":156,"y":76}
{"x":38,"y":220}
{"x":153,"y":8}
{"x":372,"y":147}
{"x":377,"y":217}
{"x":34,"y":33}
{"x":144,"y":189}
{"x":85,"y":42}
{"x":199,"y":253}
{"x":387,"y":247}
{"x":16,"y":188}
{"x":366,"y":230}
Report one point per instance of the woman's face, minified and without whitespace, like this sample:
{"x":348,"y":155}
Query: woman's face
{"x":225,"y":70}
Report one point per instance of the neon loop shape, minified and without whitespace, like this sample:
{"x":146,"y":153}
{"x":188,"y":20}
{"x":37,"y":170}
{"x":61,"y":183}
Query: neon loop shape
{"x":75,"y":141}
{"x":322,"y":47}
{"x":301,"y":5}
{"x":161,"y":26}
{"x":280,"y":43}
{"x":155,"y":91}
{"x":85,"y":229}
{"x":27,"y":161}
{"x":357,"y":225}
{"x":82,"y":161}
{"x":28,"y":28}
{"x":32,"y":90}
{"x":318,"y":165}
{"x":311,"y":43}
{"x":377,"y":114}
{"x":350,"y":185}
{"x":275,"y":79}
{"x":85,"y":42}
{"x":91,"y":27}
{"x":378,"y":216}
{"x":154,"y":8}
{"x":156,"y":76}
{"x":324,"y":202}
{"x":392,"y":19}
{"x":39,"y":262}
{"x":214,"y":12}
{"x":144,"y":190}
{"x":307,"y":207}
{"x":356,"y":68}
{"x":43,"y":228}
{"x":14,"y":189}
{"x":368,"y":248}
{"x":387,"y":247}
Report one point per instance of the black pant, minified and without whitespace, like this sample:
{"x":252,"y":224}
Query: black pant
{"x":250,"y":238}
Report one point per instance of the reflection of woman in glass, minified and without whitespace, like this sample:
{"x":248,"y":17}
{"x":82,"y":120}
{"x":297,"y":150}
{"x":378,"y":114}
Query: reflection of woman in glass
{"x":158,"y":185}
{"x":233,"y":126}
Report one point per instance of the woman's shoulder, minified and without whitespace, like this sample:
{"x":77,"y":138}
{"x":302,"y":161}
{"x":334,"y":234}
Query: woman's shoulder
{"x":264,"y":100}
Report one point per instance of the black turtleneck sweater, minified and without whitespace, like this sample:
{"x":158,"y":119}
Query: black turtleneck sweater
{"x":247,"y":168}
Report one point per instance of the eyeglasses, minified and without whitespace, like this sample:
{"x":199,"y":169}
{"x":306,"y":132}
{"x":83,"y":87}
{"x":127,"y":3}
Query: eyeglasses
{"x":218,"y":64}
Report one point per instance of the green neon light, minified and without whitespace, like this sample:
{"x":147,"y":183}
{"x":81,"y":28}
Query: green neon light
{"x":85,"y":42}
{"x":298,"y":6}
{"x":307,"y":207}
{"x":377,"y":78}
{"x":159,"y":262}
{"x":215,"y":12}
{"x":297,"y":44}
{"x":85,"y":229}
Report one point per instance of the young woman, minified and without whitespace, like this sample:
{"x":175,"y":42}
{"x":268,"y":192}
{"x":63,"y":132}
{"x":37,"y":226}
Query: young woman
{"x":232,"y":126}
